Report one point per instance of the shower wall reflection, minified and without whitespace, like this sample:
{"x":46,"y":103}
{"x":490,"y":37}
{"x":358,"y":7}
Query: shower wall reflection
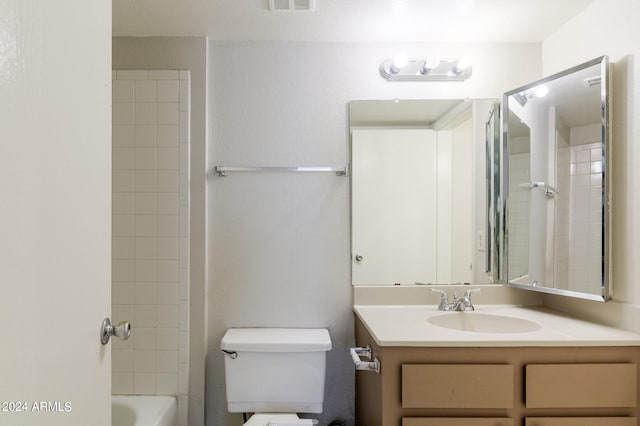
{"x":557,"y":206}
{"x":519,"y":202}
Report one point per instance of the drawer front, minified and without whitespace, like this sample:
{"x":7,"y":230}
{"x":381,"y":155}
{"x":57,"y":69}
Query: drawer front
{"x":580,"y":421}
{"x":580,"y":385}
{"x":452,"y":421}
{"x":457,"y":386}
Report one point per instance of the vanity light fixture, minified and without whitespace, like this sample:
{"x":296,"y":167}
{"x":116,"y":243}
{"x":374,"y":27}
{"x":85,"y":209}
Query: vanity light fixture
{"x":430,"y":68}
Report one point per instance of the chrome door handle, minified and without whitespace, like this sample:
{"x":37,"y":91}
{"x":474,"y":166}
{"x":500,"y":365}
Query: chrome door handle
{"x":122,"y":330}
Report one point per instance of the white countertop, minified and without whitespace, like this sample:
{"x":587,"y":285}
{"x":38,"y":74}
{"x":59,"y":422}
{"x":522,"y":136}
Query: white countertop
{"x":408,"y":325}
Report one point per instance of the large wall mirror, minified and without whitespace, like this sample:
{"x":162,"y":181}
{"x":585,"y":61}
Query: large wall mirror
{"x":416,"y":205}
{"x":556,"y":143}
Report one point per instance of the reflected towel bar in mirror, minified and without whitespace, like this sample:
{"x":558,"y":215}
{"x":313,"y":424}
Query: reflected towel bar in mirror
{"x":549,"y":190}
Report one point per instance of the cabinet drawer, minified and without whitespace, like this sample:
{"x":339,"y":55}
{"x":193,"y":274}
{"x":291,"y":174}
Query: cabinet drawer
{"x":457,"y":386}
{"x":580,"y":421}
{"x":452,"y":421}
{"x":580,"y":385}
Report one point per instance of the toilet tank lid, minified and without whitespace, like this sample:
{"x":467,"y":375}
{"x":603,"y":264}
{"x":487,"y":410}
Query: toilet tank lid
{"x":276,"y":340}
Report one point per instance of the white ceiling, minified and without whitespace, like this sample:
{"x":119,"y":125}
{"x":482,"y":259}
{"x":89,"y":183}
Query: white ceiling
{"x":348,"y":20}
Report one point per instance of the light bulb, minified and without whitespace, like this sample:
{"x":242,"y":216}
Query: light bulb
{"x":462,"y":64}
{"x":431,"y":62}
{"x":399,"y":61}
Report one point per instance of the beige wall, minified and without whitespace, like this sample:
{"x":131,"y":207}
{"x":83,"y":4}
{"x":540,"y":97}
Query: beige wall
{"x":610,"y":27}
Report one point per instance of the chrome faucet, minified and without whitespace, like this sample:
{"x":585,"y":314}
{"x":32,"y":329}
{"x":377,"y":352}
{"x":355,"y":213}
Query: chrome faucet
{"x":461,"y":304}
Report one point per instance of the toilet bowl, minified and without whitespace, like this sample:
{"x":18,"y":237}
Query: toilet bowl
{"x":275,"y":373}
{"x":278,"y":420}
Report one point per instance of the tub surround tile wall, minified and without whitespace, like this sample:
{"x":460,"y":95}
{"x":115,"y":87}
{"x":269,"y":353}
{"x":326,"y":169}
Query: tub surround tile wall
{"x":170,"y":53}
{"x":150,"y":251}
{"x":519,"y":205}
{"x":578,"y":173}
{"x":585,"y":181}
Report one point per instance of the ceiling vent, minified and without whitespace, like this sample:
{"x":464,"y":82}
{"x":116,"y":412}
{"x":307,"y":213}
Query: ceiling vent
{"x":292,"y":5}
{"x":593,"y":81}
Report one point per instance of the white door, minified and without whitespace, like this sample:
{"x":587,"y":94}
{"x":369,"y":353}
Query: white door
{"x":394,"y":183}
{"x":55,"y":231}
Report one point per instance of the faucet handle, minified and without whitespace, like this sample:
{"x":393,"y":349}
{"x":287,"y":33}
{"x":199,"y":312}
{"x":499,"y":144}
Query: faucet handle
{"x":467,"y":294}
{"x":443,"y":294}
{"x":466,"y":304}
{"x":444,"y":300}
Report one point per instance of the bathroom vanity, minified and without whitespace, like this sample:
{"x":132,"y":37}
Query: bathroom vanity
{"x":496,"y":366}
{"x":547,"y":163}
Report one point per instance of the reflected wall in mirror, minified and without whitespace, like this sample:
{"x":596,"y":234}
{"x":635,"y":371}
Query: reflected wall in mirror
{"x":413,"y":195}
{"x":557,"y":204}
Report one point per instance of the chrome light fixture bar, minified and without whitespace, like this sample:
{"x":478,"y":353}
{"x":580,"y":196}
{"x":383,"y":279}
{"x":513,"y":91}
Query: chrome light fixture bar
{"x":402,"y":68}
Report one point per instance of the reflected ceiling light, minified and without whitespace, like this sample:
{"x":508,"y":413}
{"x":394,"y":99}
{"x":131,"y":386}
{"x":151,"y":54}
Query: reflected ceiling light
{"x":524,"y":96}
{"x":430,"y":68}
{"x":542,"y":91}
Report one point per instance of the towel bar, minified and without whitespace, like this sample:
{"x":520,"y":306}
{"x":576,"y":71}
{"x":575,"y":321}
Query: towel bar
{"x":356,"y":353}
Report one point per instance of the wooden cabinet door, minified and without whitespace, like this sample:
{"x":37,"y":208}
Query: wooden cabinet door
{"x":580,"y":421}
{"x":580,"y":385}
{"x":457,"y":386}
{"x":452,"y":421}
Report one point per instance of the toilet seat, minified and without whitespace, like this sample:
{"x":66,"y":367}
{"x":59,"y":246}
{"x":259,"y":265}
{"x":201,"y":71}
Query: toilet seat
{"x":275,"y":419}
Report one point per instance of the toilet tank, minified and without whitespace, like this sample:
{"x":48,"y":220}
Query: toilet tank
{"x":275,"y":369}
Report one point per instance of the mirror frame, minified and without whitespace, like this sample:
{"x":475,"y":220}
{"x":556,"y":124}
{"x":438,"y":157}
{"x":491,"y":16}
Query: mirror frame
{"x":494,"y":229}
{"x":605,"y":294}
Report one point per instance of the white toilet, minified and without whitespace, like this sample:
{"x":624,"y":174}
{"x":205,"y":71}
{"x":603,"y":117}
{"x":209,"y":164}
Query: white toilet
{"x":275,"y":373}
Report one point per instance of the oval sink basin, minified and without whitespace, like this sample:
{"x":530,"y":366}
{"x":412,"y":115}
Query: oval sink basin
{"x":483,"y":323}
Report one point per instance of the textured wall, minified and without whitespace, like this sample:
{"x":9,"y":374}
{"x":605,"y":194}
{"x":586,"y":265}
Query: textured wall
{"x":279,"y":245}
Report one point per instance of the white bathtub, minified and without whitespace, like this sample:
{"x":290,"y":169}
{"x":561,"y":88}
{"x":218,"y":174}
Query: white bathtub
{"x":143,"y":411}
